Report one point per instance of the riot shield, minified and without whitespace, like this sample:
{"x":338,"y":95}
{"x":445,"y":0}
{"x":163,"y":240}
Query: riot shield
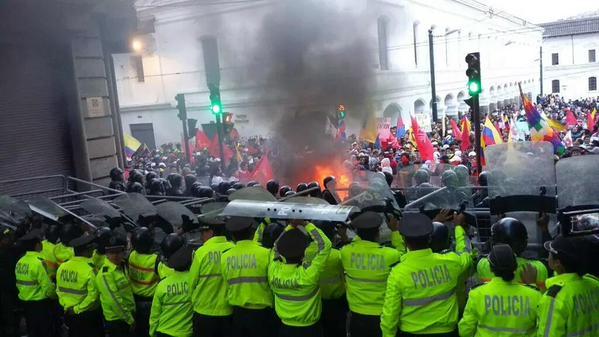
{"x":211,"y":213}
{"x":256,"y":193}
{"x":177,"y":215}
{"x":47,"y":208}
{"x":103,"y":210}
{"x":371,"y":193}
{"x":524,"y":168}
{"x":288,"y":210}
{"x":578,"y":194}
{"x":577,"y":181}
{"x":306,"y":200}
{"x":15,"y":207}
{"x":135,"y":205}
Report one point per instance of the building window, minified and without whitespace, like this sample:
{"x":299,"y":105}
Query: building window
{"x":383,"y":27}
{"x":555,"y":86}
{"x":138,"y":64}
{"x":415,"y":32}
{"x":592,"y":83}
{"x":555,"y":59}
{"x":592,"y":55}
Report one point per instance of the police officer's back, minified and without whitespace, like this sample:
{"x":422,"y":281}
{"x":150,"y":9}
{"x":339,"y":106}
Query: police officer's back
{"x":569,"y":307}
{"x":245,"y":272}
{"x":116,"y":296}
{"x":512,"y":232}
{"x":143,"y":275}
{"x":209,"y":289}
{"x":367,"y":265}
{"x":48,"y":247}
{"x":421,"y":290}
{"x":169,"y":245}
{"x":77,"y":291}
{"x":295,"y":284}
{"x":501,"y":307}
{"x":63,"y":250}
{"x":36,"y":289}
{"x":171,"y":314}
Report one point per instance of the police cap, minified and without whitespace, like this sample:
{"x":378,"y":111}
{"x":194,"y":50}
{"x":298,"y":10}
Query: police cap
{"x":181,"y":259}
{"x":32,"y":236}
{"x":82,"y":241}
{"x":561,"y":245}
{"x":415,"y":225}
{"x":238,"y":223}
{"x":292,"y":244}
{"x":367,"y":220}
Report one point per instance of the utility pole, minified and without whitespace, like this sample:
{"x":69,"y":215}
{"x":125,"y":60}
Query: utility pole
{"x":431,"y":52}
{"x":180,"y":98}
{"x":541,"y":68}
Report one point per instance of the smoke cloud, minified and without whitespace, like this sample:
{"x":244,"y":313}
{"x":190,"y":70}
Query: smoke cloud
{"x":317,"y":57}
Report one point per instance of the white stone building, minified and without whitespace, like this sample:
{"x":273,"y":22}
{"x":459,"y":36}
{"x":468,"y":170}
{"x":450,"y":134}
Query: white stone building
{"x":397,"y":32}
{"x":570,"y":66}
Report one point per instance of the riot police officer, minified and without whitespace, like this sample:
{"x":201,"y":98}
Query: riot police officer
{"x":329,"y":194}
{"x":512,"y":232}
{"x":35,"y":286}
{"x":143,"y":275}
{"x":169,"y":245}
{"x":176,"y":181}
{"x":283,"y":190}
{"x":569,"y":306}
{"x":367,"y":265}
{"x":272,"y":186}
{"x":117,"y":179}
{"x":211,"y":311}
{"x":295,"y":284}
{"x":420,"y":298}
{"x":501,"y":306}
{"x":136,"y":182}
{"x":77,"y":291}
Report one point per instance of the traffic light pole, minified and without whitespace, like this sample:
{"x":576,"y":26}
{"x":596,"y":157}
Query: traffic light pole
{"x":431,"y":52}
{"x":219,"y":130}
{"x":183,"y":116}
{"x":476,"y":122}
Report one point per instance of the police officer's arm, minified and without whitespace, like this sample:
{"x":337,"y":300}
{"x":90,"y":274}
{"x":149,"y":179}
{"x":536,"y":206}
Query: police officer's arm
{"x":462,"y":248}
{"x":469,"y":321}
{"x":391,"y":306}
{"x":45,"y":283}
{"x":552,"y":320}
{"x":118,"y":288}
{"x":194,"y":270}
{"x":91,"y":298}
{"x":324,"y":249}
{"x":155,"y":311}
{"x":396,"y":238}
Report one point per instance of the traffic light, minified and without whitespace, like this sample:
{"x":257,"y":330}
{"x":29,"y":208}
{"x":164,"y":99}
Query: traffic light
{"x":180,"y":98}
{"x":216,"y":107}
{"x":341,"y":111}
{"x":473,"y":73}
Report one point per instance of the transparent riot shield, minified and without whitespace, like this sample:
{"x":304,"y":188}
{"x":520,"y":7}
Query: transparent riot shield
{"x":135,"y":206}
{"x":15,"y":207}
{"x":177,"y":215}
{"x":578,"y":194}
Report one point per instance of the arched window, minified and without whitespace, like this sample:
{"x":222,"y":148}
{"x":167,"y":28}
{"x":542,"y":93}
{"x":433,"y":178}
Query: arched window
{"x":383,"y":29}
{"x":555,"y":86}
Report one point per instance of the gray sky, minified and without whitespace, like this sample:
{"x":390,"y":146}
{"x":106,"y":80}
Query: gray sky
{"x":538,"y":11}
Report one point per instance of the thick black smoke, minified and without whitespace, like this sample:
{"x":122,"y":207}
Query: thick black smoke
{"x":317,"y":57}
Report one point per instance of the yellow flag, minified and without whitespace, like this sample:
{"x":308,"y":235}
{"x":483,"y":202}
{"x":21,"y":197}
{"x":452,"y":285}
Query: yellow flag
{"x":369,"y":130}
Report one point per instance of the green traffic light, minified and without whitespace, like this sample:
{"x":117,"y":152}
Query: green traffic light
{"x":474,"y":87}
{"x":216,"y":109}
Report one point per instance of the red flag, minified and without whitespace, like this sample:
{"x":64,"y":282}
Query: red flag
{"x":263,"y":171}
{"x":202,"y":141}
{"x":214,"y":150}
{"x":422,"y":142}
{"x":570,"y":119}
{"x":457,"y":134}
{"x":465,"y":145}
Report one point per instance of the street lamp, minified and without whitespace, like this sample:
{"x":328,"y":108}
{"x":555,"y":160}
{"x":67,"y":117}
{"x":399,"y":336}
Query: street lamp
{"x":136,"y":45}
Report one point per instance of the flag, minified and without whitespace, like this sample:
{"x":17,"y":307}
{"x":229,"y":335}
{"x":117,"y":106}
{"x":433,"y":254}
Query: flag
{"x":591,"y":120}
{"x":341,"y":131}
{"x":570,"y":119}
{"x":457,"y":134}
{"x":568,"y":139}
{"x":401,"y":128}
{"x":214,"y":150}
{"x":513,"y":134}
{"x":489,"y":136}
{"x":263,"y":172}
{"x":202,"y":140}
{"x":540,"y":129}
{"x":131,"y":145}
{"x":411,"y":138}
{"x":556,"y":125}
{"x":369,"y":130}
{"x":425,"y":147}
{"x":465,"y":133}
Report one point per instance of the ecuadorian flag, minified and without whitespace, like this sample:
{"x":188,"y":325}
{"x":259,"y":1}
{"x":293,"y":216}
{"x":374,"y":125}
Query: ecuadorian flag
{"x":131,"y":145}
{"x":489,"y":136}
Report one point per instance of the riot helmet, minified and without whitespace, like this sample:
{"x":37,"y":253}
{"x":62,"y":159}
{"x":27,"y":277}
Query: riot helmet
{"x":170,"y":244}
{"x":440,"y":237}
{"x":512,"y":232}
{"x":284,"y":190}
{"x":273,"y":187}
{"x":301,"y":187}
{"x":116,"y":174}
{"x":422,"y":176}
{"x":142,"y":240}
